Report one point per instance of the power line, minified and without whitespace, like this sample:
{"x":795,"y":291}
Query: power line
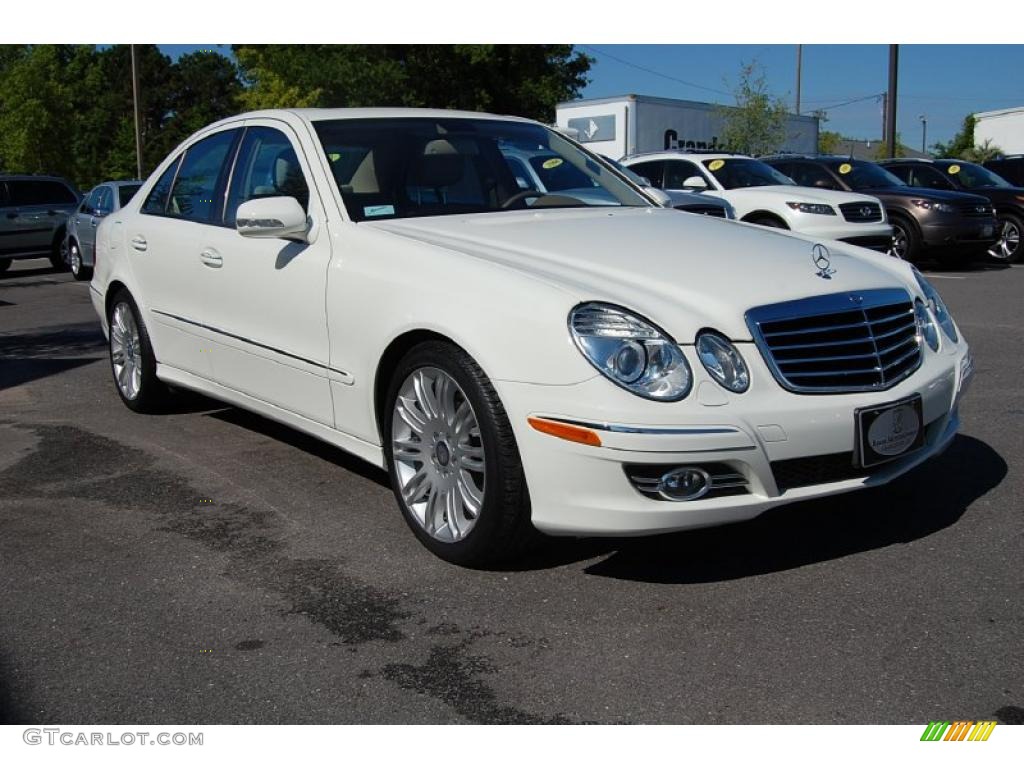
{"x":655,"y":72}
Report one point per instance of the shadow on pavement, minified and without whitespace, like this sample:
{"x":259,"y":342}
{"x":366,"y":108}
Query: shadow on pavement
{"x":34,"y":355}
{"x":928,"y":499}
{"x":296,"y":439}
{"x":11,"y":713}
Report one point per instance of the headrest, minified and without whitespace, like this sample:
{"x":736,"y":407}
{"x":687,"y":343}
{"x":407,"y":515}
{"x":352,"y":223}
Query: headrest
{"x":440,"y":165}
{"x":285,"y":166}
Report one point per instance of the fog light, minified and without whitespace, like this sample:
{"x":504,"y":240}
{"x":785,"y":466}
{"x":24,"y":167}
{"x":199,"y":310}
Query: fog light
{"x":684,"y":484}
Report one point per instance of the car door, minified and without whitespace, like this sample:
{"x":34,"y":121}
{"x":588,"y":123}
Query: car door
{"x":88,"y":217}
{"x":164,"y":241}
{"x":267,"y":297}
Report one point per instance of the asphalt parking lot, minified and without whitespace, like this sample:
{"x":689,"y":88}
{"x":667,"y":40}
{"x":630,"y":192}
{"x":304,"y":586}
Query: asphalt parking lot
{"x":208,"y":565}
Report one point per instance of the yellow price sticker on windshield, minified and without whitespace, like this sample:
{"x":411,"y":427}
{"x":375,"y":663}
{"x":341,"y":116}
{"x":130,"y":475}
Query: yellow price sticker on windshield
{"x":954,"y":169}
{"x":554,"y":162}
{"x":845,"y":168}
{"x":714,"y":165}
{"x":334,"y":156}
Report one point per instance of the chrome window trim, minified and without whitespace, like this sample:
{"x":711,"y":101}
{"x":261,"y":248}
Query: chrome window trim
{"x":828,"y":304}
{"x":631,"y":430}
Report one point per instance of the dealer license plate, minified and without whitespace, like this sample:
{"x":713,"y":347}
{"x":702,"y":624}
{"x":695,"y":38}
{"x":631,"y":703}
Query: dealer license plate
{"x":889,"y":431}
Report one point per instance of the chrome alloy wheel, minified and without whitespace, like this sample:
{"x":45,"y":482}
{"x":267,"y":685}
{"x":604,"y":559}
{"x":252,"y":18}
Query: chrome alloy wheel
{"x":1009,"y":242}
{"x":438,"y":454}
{"x":75,"y":259}
{"x":126,"y":351}
{"x":900,"y":242}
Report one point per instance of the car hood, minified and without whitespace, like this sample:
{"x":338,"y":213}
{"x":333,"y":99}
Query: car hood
{"x":683,"y":272}
{"x":791,"y":193}
{"x":940,"y":195}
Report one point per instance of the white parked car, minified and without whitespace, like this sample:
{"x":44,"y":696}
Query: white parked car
{"x":759,"y":194}
{"x":517,"y":360}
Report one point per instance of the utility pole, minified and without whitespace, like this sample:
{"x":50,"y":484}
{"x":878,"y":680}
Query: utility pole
{"x":138,"y":127}
{"x":890,"y":104}
{"x":799,"y":69}
{"x":924,"y":133}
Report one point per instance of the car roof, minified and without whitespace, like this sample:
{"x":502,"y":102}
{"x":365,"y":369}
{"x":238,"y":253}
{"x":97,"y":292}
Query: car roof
{"x":362,"y":113}
{"x":33,"y":176}
{"x":668,"y":154}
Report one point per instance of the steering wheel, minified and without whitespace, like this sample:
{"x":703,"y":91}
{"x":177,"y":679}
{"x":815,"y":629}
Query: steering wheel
{"x":521,"y":196}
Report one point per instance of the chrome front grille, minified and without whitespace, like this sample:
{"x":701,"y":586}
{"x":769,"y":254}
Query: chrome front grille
{"x":861,"y":213}
{"x":842,"y":342}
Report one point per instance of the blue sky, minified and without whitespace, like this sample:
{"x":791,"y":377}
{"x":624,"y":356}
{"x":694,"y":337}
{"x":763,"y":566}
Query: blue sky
{"x":943,"y":82}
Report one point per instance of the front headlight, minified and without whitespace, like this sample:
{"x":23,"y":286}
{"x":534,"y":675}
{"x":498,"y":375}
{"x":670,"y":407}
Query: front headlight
{"x":723,"y":361}
{"x":938,"y":307}
{"x":925,"y":325}
{"x":630,"y":351}
{"x":824,"y":210}
{"x":931,"y":205}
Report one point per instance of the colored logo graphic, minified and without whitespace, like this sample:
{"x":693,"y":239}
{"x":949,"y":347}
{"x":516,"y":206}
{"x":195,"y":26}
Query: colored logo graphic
{"x":961,"y":730}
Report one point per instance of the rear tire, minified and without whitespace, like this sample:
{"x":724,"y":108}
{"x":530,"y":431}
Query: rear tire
{"x":453,"y":460}
{"x":132,"y":361}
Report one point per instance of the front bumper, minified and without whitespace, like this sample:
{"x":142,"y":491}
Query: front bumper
{"x":837,"y":228}
{"x":965,"y":231}
{"x":763,"y":435}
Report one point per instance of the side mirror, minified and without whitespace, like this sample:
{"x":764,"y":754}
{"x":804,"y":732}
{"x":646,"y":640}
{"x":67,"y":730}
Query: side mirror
{"x":660,"y":197}
{"x":280,"y":217}
{"x":695,"y":183}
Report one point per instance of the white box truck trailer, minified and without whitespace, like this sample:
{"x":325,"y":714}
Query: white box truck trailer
{"x":625,"y":125}
{"x":1004,"y":128}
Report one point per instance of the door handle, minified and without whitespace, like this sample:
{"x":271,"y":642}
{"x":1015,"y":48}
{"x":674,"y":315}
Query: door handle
{"x":211,"y":258}
{"x":139,"y":243}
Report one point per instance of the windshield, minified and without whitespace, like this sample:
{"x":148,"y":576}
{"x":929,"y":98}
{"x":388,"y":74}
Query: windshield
{"x":126,"y":192}
{"x":973,"y":176}
{"x":860,"y":174}
{"x":739,"y":172}
{"x":422,"y":166}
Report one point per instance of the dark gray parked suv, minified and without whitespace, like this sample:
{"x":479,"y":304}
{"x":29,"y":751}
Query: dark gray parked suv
{"x":33,"y":215}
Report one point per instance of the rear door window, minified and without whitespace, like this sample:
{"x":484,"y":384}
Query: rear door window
{"x":125,"y":192}
{"x":157,"y":201}
{"x":40,"y":192}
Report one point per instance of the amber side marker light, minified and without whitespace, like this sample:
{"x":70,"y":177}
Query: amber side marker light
{"x":568,"y":432}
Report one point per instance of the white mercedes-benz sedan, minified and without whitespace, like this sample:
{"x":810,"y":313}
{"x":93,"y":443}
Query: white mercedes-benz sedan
{"x":577,"y":362}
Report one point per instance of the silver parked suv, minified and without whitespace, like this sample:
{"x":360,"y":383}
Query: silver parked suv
{"x":103,"y":200}
{"x":33,"y":216}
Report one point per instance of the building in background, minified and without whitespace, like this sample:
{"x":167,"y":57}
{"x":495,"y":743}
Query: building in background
{"x":1004,"y":128}
{"x":625,"y":125}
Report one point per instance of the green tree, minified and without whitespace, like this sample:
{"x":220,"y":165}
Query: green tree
{"x":757,"y":124}
{"x":882,"y":149}
{"x":982,"y":153}
{"x":474,"y":77}
{"x":960,"y":143}
{"x":829,"y":142}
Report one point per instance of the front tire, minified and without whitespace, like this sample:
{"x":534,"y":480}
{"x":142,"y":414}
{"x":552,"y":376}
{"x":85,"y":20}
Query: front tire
{"x":906,"y":244}
{"x":453,"y":460}
{"x":78,"y":269}
{"x":58,"y":259}
{"x":1008,"y":249}
{"x":132,"y":361}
